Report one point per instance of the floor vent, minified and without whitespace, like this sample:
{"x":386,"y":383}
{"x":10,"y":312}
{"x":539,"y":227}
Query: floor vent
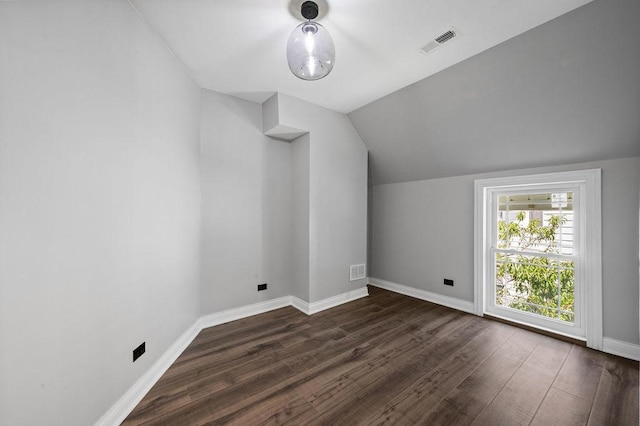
{"x":438,"y":41}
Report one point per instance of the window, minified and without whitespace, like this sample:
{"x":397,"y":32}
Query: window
{"x":537,"y":252}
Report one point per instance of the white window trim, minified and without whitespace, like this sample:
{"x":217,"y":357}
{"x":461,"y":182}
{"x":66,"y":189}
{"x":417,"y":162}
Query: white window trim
{"x":592,"y":224}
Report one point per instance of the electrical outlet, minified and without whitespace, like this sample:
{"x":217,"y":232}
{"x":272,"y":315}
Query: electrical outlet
{"x":137,"y":352}
{"x":448,"y":282}
{"x":262,"y":287}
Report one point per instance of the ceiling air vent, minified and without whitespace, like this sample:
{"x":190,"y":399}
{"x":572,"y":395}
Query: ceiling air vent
{"x":446,"y":36}
{"x":438,"y":41}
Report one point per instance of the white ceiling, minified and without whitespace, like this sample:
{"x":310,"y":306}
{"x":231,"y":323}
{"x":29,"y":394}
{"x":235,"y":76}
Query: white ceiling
{"x":238,"y":47}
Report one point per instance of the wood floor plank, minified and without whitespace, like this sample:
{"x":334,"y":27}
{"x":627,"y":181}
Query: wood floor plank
{"x":493,"y":374}
{"x":231,"y":399}
{"x":562,"y":408}
{"x":616,"y":400}
{"x":154,"y":406}
{"x":216,"y":370}
{"x":296,"y":362}
{"x":369,"y":353}
{"x":387,"y":359}
{"x":383,"y":316}
{"x":518,"y":401}
{"x":433,"y":387}
{"x":245,"y":361}
{"x":581,"y":373}
{"x":356,"y":408}
{"x":288,"y":359}
{"x":457,"y":408}
{"x":243,"y":327}
{"x":277,"y":409}
{"x":376,"y":394}
{"x":396,"y":340}
{"x":230,"y":344}
{"x":343,"y":316}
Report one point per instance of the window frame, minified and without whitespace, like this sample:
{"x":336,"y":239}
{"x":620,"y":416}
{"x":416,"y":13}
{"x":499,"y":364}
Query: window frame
{"x":590,"y":226}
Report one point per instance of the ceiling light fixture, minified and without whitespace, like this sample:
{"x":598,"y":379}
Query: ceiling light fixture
{"x":310,"y":50}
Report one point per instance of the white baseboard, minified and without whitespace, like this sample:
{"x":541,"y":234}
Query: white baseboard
{"x":242,"y":312}
{"x":620,"y":348}
{"x":299,"y":304}
{"x":123,"y":407}
{"x":331,"y":302}
{"x":451,"y":302}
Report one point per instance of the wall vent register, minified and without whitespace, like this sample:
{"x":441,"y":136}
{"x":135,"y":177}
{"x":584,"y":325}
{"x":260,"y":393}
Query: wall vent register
{"x":357,"y":272}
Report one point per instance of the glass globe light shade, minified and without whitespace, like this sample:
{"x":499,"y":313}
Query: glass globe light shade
{"x":310,"y":51}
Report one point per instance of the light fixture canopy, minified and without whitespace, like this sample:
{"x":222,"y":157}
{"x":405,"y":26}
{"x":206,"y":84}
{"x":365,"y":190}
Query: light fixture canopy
{"x":310,"y":50}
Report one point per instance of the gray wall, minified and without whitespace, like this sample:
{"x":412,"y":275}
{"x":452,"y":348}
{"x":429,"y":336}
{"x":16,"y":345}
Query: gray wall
{"x":300,"y":210}
{"x":558,"y":94}
{"x":564,"y":92}
{"x":337,"y":195}
{"x":289,"y":214}
{"x":99,"y":206}
{"x":132,"y":202}
{"x":246,"y":206}
{"x":423,"y":232}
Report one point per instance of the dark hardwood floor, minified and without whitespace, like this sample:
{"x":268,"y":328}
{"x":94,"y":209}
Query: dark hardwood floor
{"x":388,"y":359}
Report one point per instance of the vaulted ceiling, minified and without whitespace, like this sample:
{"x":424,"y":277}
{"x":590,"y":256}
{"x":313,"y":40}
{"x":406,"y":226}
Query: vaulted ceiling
{"x":561,"y":93}
{"x":525,"y":84}
{"x":238,"y":47}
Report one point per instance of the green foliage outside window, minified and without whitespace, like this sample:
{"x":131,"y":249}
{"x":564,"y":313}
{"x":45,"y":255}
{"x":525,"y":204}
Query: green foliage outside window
{"x":530,"y":283}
